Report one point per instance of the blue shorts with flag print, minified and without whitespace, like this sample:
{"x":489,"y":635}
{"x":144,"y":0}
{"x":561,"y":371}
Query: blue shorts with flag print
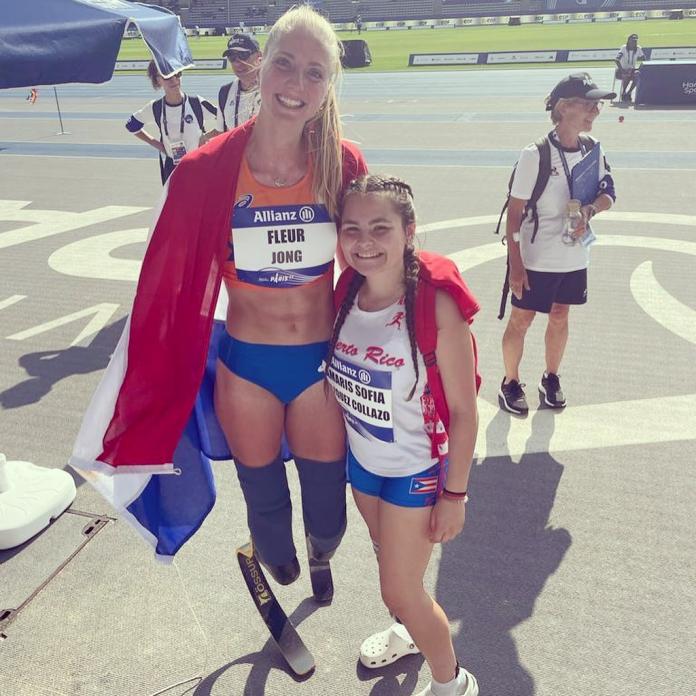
{"x":415,"y":490}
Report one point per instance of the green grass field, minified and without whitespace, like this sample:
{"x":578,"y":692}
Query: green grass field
{"x":390,"y":49}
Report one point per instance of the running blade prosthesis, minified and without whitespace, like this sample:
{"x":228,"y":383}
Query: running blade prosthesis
{"x":320,"y":576}
{"x":284,"y":634}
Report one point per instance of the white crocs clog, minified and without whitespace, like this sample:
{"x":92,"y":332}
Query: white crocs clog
{"x":30,"y":497}
{"x":385,"y":647}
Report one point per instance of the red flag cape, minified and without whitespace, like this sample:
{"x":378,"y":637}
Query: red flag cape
{"x":169,"y":329}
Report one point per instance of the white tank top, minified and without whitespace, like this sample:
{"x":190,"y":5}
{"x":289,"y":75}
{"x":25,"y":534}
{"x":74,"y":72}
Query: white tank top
{"x":372,"y":375}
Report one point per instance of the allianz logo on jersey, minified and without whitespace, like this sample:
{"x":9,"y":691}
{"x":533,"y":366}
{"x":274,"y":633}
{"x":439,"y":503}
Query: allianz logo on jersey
{"x":304,"y":214}
{"x":364,"y":376}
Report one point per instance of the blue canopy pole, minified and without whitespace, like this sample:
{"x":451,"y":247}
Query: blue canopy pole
{"x":60,"y":117}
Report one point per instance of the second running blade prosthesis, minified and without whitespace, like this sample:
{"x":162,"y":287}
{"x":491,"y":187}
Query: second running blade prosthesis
{"x":285,"y":635}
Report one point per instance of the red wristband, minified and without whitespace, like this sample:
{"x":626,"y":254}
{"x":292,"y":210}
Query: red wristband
{"x":454,"y":495}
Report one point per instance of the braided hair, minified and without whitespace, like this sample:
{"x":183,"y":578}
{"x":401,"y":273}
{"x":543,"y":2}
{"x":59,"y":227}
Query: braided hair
{"x":399,"y":193}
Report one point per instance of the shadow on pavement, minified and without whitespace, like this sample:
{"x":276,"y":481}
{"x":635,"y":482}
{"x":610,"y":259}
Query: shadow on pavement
{"x":262,"y":662}
{"x":491,"y":575}
{"x":397,"y":679}
{"x":46,"y":368}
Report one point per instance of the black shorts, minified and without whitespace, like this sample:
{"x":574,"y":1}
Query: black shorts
{"x":546,"y":288}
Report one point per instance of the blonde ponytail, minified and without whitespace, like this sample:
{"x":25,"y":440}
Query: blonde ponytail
{"x":324,"y":145}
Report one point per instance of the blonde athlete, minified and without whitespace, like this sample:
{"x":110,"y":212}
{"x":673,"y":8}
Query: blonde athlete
{"x":279,"y":277}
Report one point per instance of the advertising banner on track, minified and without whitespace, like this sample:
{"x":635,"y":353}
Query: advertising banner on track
{"x":676,"y":53}
{"x":592,"y":54}
{"x":522,"y":57}
{"x":443,"y":59}
{"x":206,"y":64}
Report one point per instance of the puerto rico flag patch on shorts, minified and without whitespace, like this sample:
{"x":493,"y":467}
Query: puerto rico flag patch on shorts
{"x":422,"y":485}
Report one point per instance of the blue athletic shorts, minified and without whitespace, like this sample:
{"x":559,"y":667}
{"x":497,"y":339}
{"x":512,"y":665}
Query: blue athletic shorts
{"x":416,"y":490}
{"x":285,"y":371}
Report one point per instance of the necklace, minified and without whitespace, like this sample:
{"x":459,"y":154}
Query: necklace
{"x":279,"y":183}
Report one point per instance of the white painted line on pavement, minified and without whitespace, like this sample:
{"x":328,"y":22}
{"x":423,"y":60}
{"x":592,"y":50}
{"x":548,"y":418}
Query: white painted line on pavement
{"x":13,"y":299}
{"x":102,"y":315}
{"x":91,"y":258}
{"x":658,"y":304}
{"x":593,"y":426}
{"x":46,"y":223}
{"x":609,"y":216}
{"x":616,"y":424}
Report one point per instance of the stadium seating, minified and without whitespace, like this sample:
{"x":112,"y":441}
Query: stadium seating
{"x":652,"y":4}
{"x":208,"y":13}
{"x":453,"y":9}
{"x":229,"y":13}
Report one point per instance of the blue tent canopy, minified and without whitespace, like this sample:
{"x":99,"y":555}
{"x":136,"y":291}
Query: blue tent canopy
{"x":51,"y":42}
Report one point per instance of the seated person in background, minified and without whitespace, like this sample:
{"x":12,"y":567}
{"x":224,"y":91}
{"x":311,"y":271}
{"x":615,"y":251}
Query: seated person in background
{"x":629,"y":54}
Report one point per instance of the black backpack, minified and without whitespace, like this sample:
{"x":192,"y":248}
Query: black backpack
{"x":167,"y":164}
{"x":222,"y":101}
{"x":543,"y":145}
{"x":195,"y":106}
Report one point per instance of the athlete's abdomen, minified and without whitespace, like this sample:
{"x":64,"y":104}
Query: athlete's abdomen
{"x":282,"y":316}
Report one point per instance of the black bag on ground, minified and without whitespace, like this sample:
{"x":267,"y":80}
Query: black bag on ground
{"x":356,"y":54}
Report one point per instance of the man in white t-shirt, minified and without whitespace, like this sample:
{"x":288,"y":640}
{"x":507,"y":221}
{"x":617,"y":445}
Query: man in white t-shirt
{"x":548,"y":259}
{"x":240,"y":99}
{"x":626,"y":60}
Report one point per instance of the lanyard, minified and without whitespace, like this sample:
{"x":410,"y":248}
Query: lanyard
{"x":564,"y":161}
{"x":164,"y":116}
{"x":236,"y":104}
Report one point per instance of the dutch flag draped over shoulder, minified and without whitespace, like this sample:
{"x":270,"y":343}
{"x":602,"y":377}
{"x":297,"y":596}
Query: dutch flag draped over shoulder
{"x":150,"y":431}
{"x":166,"y":510}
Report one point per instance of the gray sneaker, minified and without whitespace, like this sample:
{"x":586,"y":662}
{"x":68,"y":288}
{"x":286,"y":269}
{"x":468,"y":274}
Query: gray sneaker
{"x":512,"y":398}
{"x":550,"y":389}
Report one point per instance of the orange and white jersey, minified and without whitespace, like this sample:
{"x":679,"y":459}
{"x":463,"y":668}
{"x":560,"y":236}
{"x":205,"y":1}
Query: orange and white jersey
{"x":281,"y":236}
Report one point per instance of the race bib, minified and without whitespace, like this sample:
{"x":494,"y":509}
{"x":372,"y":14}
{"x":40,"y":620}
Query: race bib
{"x":365,"y":395}
{"x":284,"y":245}
{"x":178,"y":150}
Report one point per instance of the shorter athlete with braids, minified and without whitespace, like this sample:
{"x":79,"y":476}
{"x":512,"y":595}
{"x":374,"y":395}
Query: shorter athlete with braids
{"x":409,"y":489}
